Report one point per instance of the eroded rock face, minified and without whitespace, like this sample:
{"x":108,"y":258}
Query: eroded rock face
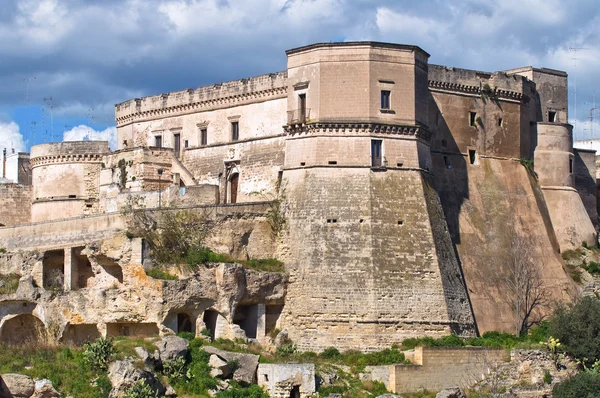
{"x":123,"y":375}
{"x":16,"y":385}
{"x":172,"y":347}
{"x":103,"y":292}
{"x":247,"y":363}
{"x":45,"y":389}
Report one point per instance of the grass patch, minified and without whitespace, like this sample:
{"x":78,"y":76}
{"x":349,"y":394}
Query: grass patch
{"x":125,"y":346}
{"x":592,"y":267}
{"x":64,"y":366}
{"x":200,"y":256}
{"x":160,"y":273}
{"x":9,"y":283}
{"x":569,"y":255}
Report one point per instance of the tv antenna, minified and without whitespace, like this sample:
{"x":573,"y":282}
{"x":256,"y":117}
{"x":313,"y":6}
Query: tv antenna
{"x":48,"y":100}
{"x":575,"y":49}
{"x":27,"y":80}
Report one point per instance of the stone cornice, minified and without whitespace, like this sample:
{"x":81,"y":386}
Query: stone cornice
{"x":67,"y":158}
{"x":474,"y":90}
{"x":371,"y":128}
{"x":199,"y":106}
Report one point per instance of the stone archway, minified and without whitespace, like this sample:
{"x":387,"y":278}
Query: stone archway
{"x":22,"y":329}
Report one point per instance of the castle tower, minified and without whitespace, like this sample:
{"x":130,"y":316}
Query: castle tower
{"x":371,"y":261}
{"x":554,"y":165}
{"x":66,"y":178}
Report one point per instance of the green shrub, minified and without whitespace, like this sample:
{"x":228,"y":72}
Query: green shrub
{"x":265,"y":264}
{"x":140,"y":389}
{"x":286,"y":350}
{"x":129,"y":235}
{"x":176,"y":369}
{"x":237,"y":391}
{"x":189,"y":336}
{"x":330,"y":353}
{"x":199,"y":381}
{"x":593,"y":268}
{"x":578,"y":329}
{"x":547,"y":377}
{"x":2,"y":250}
{"x":160,"y":273}
{"x":9,"y":283}
{"x":233,"y":365}
{"x":203,"y":255}
{"x":582,"y":385}
{"x":98,"y":354}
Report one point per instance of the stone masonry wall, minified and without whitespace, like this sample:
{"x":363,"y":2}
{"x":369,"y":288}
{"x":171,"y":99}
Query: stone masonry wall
{"x":363,"y":265}
{"x":15,"y":204}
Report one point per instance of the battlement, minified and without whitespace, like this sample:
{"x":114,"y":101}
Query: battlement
{"x":69,"y":148}
{"x":213,"y":96}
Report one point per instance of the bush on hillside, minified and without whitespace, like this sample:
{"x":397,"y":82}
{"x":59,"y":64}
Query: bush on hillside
{"x":578,"y":329}
{"x":582,"y":385}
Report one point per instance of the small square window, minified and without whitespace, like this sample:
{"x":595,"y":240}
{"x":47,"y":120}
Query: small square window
{"x":203,"y":136}
{"x":235,"y":131}
{"x":552,"y":116}
{"x":385,"y":99}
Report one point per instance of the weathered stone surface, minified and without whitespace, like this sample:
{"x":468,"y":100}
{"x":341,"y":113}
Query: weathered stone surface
{"x":171,"y":347}
{"x":390,"y":396}
{"x":151,"y":361}
{"x":451,"y":393}
{"x":123,"y":374}
{"x":16,"y":385}
{"x":246,"y":372}
{"x":219,"y":367}
{"x":44,"y":389}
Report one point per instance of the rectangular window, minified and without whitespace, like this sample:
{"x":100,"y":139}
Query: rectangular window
{"x":472,"y":118}
{"x":302,"y":107}
{"x":203,"y":136}
{"x":571,"y":166}
{"x":447,"y":162}
{"x":385,"y":99}
{"x":235,"y":131}
{"x":177,"y":144}
{"x":552,"y":116}
{"x":158,"y":141}
{"x":472,"y":156}
{"x":376,"y":155}
{"x":186,"y":144}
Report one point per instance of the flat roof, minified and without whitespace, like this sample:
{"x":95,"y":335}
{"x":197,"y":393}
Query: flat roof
{"x":357,"y":43}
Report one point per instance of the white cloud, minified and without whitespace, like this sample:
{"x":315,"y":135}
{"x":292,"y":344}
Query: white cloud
{"x":86,"y":133}
{"x":11,"y":138}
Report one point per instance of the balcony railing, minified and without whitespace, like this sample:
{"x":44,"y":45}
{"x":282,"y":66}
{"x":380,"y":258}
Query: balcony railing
{"x":298,"y":116}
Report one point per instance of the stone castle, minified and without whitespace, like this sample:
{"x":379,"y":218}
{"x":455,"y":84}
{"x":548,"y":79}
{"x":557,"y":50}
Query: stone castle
{"x":403,"y":185}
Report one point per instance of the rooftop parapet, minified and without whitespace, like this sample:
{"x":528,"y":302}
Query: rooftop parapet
{"x":69,"y":148}
{"x":215,"y":94}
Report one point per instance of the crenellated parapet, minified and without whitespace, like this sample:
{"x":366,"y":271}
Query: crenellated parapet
{"x":67,"y":158}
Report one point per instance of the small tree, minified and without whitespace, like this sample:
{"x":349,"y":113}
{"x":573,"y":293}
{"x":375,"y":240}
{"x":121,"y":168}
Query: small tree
{"x":527,"y":294}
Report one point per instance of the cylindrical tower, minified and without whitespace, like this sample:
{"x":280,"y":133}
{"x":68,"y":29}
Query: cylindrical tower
{"x":65,"y":178}
{"x":553,"y":157}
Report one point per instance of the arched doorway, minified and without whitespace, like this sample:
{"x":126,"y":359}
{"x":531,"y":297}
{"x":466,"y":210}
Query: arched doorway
{"x":210,"y":321}
{"x":22,"y":329}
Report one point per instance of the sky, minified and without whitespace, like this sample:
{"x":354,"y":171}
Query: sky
{"x":64,"y":64}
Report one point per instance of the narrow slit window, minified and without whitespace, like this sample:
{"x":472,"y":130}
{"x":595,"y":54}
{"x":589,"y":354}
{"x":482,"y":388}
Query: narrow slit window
{"x":203,"y":136}
{"x":447,"y":162}
{"x":552,"y":116}
{"x":235,"y":131}
{"x":472,"y":156}
{"x":472,"y":118}
{"x":500,"y":122}
{"x":571,"y":166}
{"x":186,"y":144}
{"x":385,"y":99}
{"x":332,"y":162}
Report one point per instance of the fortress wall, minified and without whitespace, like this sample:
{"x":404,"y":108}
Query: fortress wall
{"x":585,"y":181}
{"x":15,"y":204}
{"x":60,"y":233}
{"x":449,"y":122}
{"x":486,"y":205}
{"x":69,"y":148}
{"x":363,"y":264}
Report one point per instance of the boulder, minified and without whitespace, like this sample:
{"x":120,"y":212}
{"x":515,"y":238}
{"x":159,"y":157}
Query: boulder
{"x":282,"y":338}
{"x":170,"y":391}
{"x":247,"y":364}
{"x":219,"y":367}
{"x":171,"y":347}
{"x":151,"y":361}
{"x":451,"y":393}
{"x":16,"y":385}
{"x":44,"y":389}
{"x":123,"y":374}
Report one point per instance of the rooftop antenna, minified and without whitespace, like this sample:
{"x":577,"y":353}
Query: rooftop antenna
{"x":49,"y":101}
{"x":575,"y":49}
{"x":27,"y":80}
